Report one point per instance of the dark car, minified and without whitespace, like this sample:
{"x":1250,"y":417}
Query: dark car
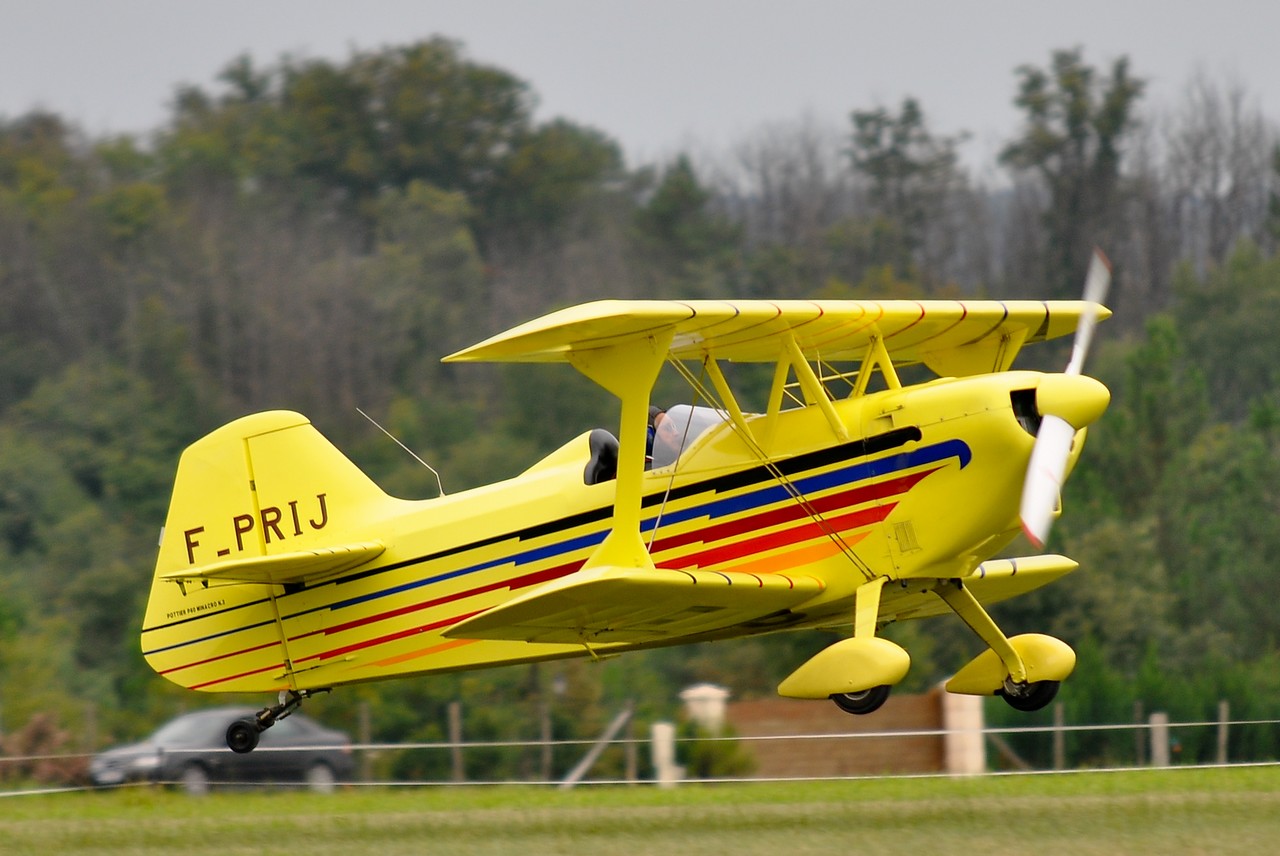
{"x":192,"y":751}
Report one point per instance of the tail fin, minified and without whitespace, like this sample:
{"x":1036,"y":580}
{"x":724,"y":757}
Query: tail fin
{"x":261,"y":502}
{"x":264,"y":499}
{"x":265,"y":485}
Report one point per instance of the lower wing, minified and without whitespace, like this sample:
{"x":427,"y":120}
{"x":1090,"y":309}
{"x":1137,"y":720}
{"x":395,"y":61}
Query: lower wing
{"x":636,"y":605}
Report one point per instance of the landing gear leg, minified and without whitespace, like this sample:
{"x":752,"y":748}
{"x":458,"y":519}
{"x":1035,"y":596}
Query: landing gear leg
{"x":242,"y":735}
{"x":965,"y":605}
{"x":1019,"y":691}
{"x":866,"y":611}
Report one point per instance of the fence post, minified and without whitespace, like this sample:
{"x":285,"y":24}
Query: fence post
{"x":633,"y":762}
{"x":455,"y":740}
{"x":593,"y":754}
{"x":89,"y":740}
{"x":665,"y":770}
{"x":1139,"y":739}
{"x":1159,"y":739}
{"x":963,"y":749}
{"x":1224,"y":717}
{"x":366,"y":737}
{"x":1059,"y":737}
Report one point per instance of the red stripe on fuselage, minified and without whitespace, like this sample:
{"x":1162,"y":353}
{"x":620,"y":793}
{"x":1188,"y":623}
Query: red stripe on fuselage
{"x":793,"y":510}
{"x":795,"y":535}
{"x":223,"y":680}
{"x":535,"y":578}
{"x":220,"y":657}
{"x":390,"y":637}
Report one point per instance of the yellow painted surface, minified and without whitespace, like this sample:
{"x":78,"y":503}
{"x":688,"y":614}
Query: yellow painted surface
{"x":283,"y":566}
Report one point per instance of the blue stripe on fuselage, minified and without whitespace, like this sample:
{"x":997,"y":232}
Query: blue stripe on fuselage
{"x":712,"y":510}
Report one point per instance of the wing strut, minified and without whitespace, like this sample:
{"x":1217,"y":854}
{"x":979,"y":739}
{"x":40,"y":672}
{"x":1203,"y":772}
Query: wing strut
{"x":814,"y":391}
{"x":629,"y":371}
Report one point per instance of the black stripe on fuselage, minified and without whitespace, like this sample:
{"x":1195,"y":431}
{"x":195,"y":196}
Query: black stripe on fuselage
{"x":733,"y":481}
{"x":861,"y":448}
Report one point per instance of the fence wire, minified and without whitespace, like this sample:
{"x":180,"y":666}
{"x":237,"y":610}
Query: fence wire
{"x":452,"y":746}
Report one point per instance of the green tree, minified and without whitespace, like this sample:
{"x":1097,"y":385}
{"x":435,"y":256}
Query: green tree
{"x":551,"y":173}
{"x":910,"y":173}
{"x":1225,"y":318}
{"x":1160,"y":402}
{"x":689,"y":248}
{"x":1073,"y":140}
{"x":1273,"y":200}
{"x":1220,"y":494}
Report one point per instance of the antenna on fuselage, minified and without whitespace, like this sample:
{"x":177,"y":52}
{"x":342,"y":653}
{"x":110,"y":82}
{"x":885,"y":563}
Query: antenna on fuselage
{"x":396,"y":440}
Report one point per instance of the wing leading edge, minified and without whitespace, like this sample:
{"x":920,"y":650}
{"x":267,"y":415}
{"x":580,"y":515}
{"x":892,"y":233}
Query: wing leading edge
{"x":634,"y":605}
{"x":950,"y":336}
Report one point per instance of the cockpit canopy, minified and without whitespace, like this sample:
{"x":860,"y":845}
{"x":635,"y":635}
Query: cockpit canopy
{"x":687,"y":423}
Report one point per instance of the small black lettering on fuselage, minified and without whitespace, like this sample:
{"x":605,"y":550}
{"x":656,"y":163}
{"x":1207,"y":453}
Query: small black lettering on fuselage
{"x":273,"y":522}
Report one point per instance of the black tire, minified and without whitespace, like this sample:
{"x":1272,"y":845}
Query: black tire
{"x":242,"y":736}
{"x":864,"y":702}
{"x":1031,"y":697}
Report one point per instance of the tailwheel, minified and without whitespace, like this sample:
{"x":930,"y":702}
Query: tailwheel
{"x":1031,"y":696}
{"x":242,"y":735}
{"x":863,"y":702}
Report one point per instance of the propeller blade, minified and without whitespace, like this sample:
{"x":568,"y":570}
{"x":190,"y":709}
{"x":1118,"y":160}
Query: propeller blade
{"x":1096,"y":283}
{"x":1045,"y":473}
{"x":1048,"y":465}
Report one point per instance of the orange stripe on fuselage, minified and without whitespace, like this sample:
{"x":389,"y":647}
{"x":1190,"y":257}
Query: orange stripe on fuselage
{"x":783,"y":562}
{"x":426,"y":652}
{"x":825,"y":528}
{"x":831,"y":530}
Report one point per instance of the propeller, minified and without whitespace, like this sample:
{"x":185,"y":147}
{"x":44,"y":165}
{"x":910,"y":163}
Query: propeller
{"x":1067,"y":403}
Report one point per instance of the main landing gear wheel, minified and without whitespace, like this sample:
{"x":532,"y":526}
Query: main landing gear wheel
{"x":242,"y":736}
{"x":1029,"y":697}
{"x":862,"y":702}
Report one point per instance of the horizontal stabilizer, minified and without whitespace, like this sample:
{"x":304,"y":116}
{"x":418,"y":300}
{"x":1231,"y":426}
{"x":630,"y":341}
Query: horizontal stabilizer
{"x":613,"y":604}
{"x":302,"y":566}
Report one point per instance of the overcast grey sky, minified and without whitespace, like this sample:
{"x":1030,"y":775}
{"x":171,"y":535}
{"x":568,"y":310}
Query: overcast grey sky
{"x":655,"y":75}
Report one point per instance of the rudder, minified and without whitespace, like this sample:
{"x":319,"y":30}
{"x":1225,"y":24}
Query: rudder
{"x":266,"y":486}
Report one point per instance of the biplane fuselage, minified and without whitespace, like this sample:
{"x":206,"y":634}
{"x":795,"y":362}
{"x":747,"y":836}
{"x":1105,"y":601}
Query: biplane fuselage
{"x":282,"y":567}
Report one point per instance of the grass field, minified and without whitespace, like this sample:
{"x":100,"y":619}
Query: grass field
{"x":1202,"y":811}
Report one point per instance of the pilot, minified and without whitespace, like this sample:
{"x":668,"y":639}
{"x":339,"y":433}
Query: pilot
{"x":654,"y":412}
{"x":666,"y":439}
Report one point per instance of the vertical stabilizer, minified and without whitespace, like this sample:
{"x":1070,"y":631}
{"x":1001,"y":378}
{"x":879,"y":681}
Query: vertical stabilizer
{"x":264,"y":500}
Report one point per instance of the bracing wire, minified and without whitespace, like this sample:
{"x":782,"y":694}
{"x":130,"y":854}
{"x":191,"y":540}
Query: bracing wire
{"x":701,"y":391}
{"x":396,"y":440}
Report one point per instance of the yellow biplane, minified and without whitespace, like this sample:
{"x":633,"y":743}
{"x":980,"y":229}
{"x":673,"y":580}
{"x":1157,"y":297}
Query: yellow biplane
{"x":850,"y":498}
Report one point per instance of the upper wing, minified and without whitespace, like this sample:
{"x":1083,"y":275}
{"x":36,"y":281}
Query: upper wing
{"x":614,"y":604}
{"x":952,"y":337}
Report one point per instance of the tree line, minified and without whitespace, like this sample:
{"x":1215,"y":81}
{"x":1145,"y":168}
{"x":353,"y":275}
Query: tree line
{"x":316,"y":234}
